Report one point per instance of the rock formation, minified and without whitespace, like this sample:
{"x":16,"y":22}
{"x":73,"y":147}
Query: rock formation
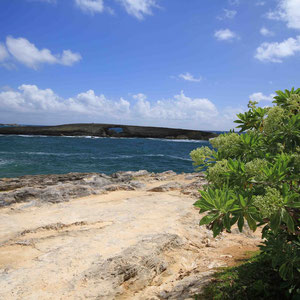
{"x":109,"y":130}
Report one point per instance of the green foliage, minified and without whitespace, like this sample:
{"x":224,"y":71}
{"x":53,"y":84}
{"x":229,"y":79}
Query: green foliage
{"x":227,"y":144}
{"x":274,"y":120}
{"x":254,"y":169}
{"x":217,"y":170}
{"x":202,"y":157}
{"x":270,"y":203}
{"x":254,"y":177}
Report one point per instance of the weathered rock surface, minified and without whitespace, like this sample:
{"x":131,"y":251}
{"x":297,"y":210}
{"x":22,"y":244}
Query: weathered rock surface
{"x":108,"y":130}
{"x":59,"y":188}
{"x":120,"y":244}
{"x":171,"y":186}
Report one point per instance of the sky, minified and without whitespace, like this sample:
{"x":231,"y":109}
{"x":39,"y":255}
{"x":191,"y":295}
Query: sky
{"x":174,"y":63}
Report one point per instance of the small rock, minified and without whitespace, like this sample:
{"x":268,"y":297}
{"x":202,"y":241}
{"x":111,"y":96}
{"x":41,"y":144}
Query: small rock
{"x":170,"y":172}
{"x":216,"y":264}
{"x":226,"y":256}
{"x":137,"y":184}
{"x":140,"y":173}
{"x":194,"y":175}
{"x":167,"y":187}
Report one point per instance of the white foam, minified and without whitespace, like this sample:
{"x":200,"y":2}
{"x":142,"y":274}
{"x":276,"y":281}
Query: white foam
{"x":5,"y":162}
{"x":178,"y":140}
{"x":30,"y":135}
{"x":178,"y":157}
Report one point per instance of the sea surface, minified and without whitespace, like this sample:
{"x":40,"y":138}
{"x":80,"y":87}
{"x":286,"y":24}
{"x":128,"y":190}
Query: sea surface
{"x":29,"y":155}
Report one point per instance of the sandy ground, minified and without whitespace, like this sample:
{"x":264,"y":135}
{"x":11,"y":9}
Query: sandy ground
{"x":51,"y":251}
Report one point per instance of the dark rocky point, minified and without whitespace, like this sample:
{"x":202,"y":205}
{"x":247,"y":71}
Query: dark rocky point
{"x":109,"y":130}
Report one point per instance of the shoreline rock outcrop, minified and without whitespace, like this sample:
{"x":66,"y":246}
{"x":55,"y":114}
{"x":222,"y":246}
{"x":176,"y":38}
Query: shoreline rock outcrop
{"x":62,"y":187}
{"x":134,"y":235}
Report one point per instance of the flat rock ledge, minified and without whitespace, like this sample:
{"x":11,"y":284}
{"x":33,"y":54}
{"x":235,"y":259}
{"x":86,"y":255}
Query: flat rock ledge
{"x":63,"y":187}
{"x":130,"y":235}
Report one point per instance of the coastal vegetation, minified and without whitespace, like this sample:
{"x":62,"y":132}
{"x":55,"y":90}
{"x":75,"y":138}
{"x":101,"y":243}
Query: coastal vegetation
{"x":253,"y":180}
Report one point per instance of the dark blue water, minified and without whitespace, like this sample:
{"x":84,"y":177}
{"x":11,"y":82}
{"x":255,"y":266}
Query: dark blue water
{"x":24,"y":155}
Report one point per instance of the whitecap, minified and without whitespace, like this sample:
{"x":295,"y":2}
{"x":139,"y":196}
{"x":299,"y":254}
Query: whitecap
{"x":5,"y":162}
{"x":178,"y":140}
{"x":178,"y":157}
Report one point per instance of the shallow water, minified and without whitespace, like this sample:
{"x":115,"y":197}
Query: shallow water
{"x":24,"y":155}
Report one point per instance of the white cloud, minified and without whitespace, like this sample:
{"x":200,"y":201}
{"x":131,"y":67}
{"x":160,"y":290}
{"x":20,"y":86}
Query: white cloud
{"x":90,"y":6}
{"x":31,"y":99}
{"x":180,"y":107}
{"x":189,"y":77}
{"x":48,"y":1}
{"x":260,"y":3}
{"x":136,"y":8}
{"x":68,"y":58}
{"x":225,"y":35}
{"x":261,"y":97}
{"x":275,"y":52}
{"x":229,"y":113}
{"x":227,"y":14}
{"x":287,"y":11}
{"x":234,"y":2}
{"x":28,"y":54}
{"x":30,"y":103}
{"x":266,"y":32}
{"x":139,"y":8}
{"x":3,"y":52}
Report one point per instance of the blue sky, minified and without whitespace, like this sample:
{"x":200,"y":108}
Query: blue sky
{"x":173,"y":63}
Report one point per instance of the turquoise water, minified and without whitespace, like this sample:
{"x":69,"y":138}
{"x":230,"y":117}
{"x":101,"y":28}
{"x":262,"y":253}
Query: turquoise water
{"x":24,"y":155}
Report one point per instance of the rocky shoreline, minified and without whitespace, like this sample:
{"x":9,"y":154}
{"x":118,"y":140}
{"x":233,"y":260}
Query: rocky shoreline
{"x":57,"y":188}
{"x":130,"y":235}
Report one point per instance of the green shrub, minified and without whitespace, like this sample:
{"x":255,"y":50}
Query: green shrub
{"x":254,"y":177}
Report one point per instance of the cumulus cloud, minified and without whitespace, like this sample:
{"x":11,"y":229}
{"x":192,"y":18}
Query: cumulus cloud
{"x":225,"y":35}
{"x":29,"y":103}
{"x":28,"y":54}
{"x":287,"y":11}
{"x":68,"y":58}
{"x":189,"y":77}
{"x":227,"y":14}
{"x":31,"y":99}
{"x":180,"y":107}
{"x":261,"y":97}
{"x":90,"y":6}
{"x":3,"y":53}
{"x":139,"y":8}
{"x":275,"y":52}
{"x":266,"y":32}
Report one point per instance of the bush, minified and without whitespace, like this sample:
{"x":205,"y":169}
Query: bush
{"x":254,"y":177}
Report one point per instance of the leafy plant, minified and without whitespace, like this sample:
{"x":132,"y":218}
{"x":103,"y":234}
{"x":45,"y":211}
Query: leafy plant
{"x":253,"y":177}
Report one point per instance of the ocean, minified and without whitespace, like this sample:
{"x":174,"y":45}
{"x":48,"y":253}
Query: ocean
{"x":31,"y":155}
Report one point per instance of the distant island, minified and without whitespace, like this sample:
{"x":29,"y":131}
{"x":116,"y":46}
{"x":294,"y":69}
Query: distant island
{"x":4,"y":125}
{"x":109,"y":130}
